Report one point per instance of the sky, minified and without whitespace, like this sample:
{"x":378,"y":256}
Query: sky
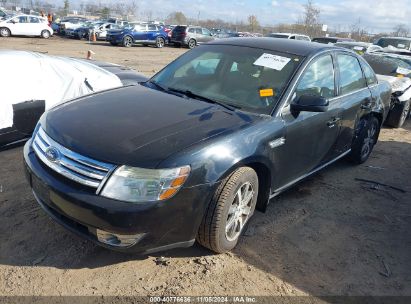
{"x":374,"y":15}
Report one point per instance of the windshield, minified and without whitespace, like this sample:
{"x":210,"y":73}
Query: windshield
{"x":387,"y":65}
{"x":248,"y":78}
{"x":278,"y":36}
{"x":397,"y":43}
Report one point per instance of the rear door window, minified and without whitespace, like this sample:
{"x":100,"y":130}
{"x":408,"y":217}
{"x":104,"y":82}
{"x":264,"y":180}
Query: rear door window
{"x":152,"y":27}
{"x":351,"y":76}
{"x":34,"y":20}
{"x":206,"y":32}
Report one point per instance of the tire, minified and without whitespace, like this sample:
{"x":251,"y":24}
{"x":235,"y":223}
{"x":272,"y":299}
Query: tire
{"x":45,"y":34}
{"x":127,"y":41}
{"x":160,"y":42}
{"x":224,"y":219}
{"x":192,"y":44}
{"x":365,"y":139}
{"x":398,"y":114}
{"x":5,"y":32}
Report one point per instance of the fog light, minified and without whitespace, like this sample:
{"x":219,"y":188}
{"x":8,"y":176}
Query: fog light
{"x":118,"y":240}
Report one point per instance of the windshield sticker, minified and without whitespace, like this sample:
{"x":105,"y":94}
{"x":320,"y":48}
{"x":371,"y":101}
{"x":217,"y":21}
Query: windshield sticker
{"x":266,"y":92}
{"x":358,"y":48}
{"x":403,"y":71}
{"x":401,"y":46}
{"x":272,"y":61}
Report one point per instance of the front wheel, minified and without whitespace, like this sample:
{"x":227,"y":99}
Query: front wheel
{"x":398,"y":114}
{"x":160,"y":42}
{"x":45,"y":34}
{"x":232,"y":206}
{"x":5,"y":32}
{"x":127,"y":41}
{"x":365,"y":140}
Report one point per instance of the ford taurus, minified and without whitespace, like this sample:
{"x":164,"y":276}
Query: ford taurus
{"x":191,"y":153}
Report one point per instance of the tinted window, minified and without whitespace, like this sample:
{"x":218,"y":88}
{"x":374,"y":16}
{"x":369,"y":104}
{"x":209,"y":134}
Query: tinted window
{"x":398,"y":43}
{"x":152,"y":27}
{"x":351,"y":77}
{"x":318,"y":79}
{"x":179,"y":29}
{"x":238,"y":76}
{"x":191,"y":30}
{"x":278,"y":36}
{"x":34,"y":20}
{"x":199,"y":31}
{"x":369,"y":74}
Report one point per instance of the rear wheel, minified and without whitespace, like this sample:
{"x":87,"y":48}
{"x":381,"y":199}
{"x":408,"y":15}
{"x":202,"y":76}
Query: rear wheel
{"x":232,"y":206}
{"x":160,"y":42}
{"x":45,"y":34}
{"x":127,"y":41}
{"x":398,"y":114}
{"x":192,"y":44}
{"x":365,"y":140}
{"x":5,"y":32}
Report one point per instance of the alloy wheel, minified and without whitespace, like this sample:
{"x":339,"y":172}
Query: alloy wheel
{"x":160,"y":42}
{"x":4,"y":32}
{"x":239,"y":211}
{"x":369,"y":141}
{"x":128,"y":42}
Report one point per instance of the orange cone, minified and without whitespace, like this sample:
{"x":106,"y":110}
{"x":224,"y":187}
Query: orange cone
{"x":93,"y":37}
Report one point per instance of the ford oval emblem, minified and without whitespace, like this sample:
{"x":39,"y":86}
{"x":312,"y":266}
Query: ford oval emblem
{"x":52,"y":154}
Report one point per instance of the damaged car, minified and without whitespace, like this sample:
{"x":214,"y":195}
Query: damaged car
{"x":191,"y":153}
{"x":395,"y":69}
{"x":36,"y":82}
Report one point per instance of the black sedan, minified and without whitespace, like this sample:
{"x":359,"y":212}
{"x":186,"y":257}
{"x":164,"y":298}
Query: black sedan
{"x":191,"y":153}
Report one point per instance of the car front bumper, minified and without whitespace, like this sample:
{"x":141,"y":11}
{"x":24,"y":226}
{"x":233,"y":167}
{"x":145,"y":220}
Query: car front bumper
{"x":156,"y":226}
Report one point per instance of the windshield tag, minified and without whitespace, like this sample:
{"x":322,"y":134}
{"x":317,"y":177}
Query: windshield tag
{"x":266,"y":93}
{"x":403,"y":71}
{"x":358,"y":48}
{"x":272,"y":61}
{"x":401,"y":46}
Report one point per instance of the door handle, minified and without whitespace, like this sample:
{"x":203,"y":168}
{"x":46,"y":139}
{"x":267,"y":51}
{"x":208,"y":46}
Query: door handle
{"x":333,"y":122}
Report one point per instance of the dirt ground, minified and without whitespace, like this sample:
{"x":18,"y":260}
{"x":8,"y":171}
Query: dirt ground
{"x":329,"y":235}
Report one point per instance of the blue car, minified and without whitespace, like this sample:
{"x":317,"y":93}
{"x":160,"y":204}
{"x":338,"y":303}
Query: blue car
{"x":138,"y":33}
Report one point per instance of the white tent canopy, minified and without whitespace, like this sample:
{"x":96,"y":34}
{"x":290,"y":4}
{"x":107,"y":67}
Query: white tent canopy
{"x":26,"y":76}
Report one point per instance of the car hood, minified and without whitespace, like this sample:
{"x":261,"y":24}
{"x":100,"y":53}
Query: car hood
{"x":138,"y":126}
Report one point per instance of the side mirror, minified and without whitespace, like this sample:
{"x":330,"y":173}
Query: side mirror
{"x":309,"y":103}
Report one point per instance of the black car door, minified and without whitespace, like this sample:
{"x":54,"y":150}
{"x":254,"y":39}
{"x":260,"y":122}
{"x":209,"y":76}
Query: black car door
{"x":355,"y":97}
{"x":309,"y":138}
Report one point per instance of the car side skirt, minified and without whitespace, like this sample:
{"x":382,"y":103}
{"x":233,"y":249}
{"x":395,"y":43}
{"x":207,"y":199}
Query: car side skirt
{"x":285,"y":187}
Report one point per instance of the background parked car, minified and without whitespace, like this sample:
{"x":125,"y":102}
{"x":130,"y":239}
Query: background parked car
{"x":36,"y":82}
{"x":99,"y":28}
{"x":25,"y":25}
{"x":359,"y":47}
{"x":396,"y":42}
{"x":190,"y":36}
{"x":71,"y":23}
{"x":289,"y":36}
{"x":138,"y":33}
{"x":331,"y":40}
{"x":396,"y":71}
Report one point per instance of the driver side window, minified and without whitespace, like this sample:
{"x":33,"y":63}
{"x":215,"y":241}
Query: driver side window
{"x":318,"y":79}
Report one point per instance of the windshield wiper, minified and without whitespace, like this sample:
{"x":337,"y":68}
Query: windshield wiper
{"x":157,"y":85}
{"x":190,"y":94}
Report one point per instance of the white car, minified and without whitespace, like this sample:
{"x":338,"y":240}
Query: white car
{"x":25,"y":25}
{"x":289,"y":36}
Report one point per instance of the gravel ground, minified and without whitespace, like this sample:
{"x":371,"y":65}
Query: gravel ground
{"x":329,"y":235}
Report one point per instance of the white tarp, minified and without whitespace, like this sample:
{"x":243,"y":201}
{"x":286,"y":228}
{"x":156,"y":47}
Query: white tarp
{"x":26,"y":76}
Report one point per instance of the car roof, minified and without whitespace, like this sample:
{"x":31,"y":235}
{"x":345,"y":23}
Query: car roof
{"x":296,"y":47}
{"x":401,"y":38}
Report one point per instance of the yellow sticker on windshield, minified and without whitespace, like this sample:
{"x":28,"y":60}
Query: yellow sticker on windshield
{"x":266,"y":93}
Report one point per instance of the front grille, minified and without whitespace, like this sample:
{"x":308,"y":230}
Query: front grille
{"x":71,"y":165}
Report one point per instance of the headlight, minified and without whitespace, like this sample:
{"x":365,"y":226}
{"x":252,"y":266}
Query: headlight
{"x":135,"y":185}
